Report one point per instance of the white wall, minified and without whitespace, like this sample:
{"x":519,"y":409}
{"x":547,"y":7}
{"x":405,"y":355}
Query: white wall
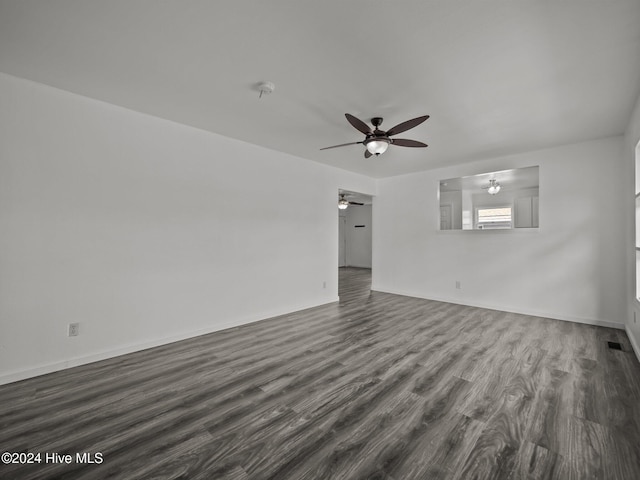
{"x":571,"y":268}
{"x":147,"y":231}
{"x":358,"y":239}
{"x":631,"y":140}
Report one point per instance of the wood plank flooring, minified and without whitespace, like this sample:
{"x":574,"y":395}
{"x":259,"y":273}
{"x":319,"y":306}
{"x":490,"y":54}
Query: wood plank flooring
{"x":379,"y":386}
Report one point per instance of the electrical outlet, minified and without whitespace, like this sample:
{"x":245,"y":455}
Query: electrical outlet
{"x":73,"y":330}
{"x":458,"y":284}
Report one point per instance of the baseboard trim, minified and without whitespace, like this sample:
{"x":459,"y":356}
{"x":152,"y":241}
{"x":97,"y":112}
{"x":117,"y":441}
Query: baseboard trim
{"x":44,"y":369}
{"x":502,"y":308}
{"x":632,"y":340}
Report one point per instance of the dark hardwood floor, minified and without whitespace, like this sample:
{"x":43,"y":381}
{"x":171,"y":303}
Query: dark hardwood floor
{"x":379,"y":386}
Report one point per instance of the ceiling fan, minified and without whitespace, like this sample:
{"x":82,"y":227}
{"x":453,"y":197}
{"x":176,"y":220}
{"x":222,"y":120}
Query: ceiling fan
{"x":493,"y":188}
{"x":344,"y":203}
{"x":377,"y":141}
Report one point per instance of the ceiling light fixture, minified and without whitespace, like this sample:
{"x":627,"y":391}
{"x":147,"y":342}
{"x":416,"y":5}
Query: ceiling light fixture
{"x":494,"y":187}
{"x":376,"y":146}
{"x":342,"y":203}
{"x":266,"y":88}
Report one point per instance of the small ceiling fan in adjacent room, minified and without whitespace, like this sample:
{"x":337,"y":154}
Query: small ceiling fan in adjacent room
{"x":493,"y":188}
{"x":344,"y":203}
{"x":377,"y":141}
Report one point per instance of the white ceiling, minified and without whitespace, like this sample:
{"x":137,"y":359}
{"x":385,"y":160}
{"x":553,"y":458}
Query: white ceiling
{"x":496,"y":77}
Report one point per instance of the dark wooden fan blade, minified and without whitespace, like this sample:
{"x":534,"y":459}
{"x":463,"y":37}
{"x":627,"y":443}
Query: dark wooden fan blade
{"x":342,"y":145}
{"x":355,"y":203}
{"x":404,"y":126}
{"x":358,"y":124}
{"x":367,"y":153}
{"x":403,"y":142}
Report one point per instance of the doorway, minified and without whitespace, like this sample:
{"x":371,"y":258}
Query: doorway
{"x":355,"y":249}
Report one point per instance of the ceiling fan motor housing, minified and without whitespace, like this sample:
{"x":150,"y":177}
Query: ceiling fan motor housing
{"x":378,"y":136}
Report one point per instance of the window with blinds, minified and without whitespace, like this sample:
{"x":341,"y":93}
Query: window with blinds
{"x":492,"y":218}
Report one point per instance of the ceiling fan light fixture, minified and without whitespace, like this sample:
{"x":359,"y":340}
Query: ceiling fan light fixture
{"x":494,"y":187}
{"x":343,"y":203}
{"x":376,"y":146}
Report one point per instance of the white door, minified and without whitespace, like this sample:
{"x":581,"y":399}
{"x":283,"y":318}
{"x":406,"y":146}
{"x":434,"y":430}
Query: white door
{"x":445,"y":217}
{"x":526,"y":212}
